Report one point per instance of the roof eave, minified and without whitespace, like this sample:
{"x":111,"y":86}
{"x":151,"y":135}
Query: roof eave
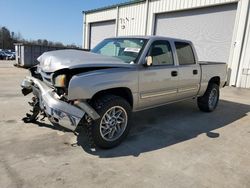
{"x":112,"y":6}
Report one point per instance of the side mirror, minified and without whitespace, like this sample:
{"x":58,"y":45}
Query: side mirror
{"x":148,"y":61}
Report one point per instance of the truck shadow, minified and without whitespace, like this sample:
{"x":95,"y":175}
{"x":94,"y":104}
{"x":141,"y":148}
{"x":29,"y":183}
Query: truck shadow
{"x":168,"y":125}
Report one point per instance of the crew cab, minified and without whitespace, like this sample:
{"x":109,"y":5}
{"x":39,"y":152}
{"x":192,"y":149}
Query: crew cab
{"x":99,"y":89}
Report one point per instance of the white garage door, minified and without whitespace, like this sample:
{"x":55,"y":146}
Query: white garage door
{"x":210,"y":29}
{"x":100,"y":31}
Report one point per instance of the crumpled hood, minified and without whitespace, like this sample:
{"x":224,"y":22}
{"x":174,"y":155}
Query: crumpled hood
{"x":55,"y":60}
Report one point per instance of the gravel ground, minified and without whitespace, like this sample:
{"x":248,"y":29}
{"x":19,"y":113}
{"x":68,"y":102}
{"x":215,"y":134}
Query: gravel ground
{"x":171,"y":146}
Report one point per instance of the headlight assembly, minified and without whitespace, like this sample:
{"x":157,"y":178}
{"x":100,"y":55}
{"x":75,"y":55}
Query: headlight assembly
{"x":60,"y":80}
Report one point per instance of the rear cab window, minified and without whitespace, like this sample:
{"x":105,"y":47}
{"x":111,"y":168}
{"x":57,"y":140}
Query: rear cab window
{"x":185,"y":53}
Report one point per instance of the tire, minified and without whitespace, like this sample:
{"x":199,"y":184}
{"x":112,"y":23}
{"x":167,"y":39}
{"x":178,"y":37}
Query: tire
{"x":109,"y":107}
{"x":209,"y":101}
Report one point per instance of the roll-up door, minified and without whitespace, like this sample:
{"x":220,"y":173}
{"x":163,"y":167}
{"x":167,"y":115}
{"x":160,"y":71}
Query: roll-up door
{"x":210,"y":29}
{"x":100,"y":31}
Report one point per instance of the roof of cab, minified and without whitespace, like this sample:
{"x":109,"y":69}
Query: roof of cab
{"x":154,"y":37}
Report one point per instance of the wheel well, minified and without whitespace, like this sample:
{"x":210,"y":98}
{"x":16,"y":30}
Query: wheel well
{"x":215,"y":80}
{"x":121,"y":92}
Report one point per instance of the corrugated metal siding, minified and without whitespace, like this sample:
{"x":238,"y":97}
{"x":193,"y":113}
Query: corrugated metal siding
{"x":244,"y":69}
{"x":132,"y":20}
{"x":139,"y":25}
{"x":109,"y":14}
{"x":243,"y":8}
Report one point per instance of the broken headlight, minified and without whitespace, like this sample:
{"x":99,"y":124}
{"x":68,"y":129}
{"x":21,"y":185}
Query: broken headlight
{"x":60,"y":80}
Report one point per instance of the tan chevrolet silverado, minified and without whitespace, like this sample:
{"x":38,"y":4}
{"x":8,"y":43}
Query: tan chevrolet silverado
{"x":99,"y":89}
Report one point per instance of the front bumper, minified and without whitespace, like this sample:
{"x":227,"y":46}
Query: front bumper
{"x":58,"y":111}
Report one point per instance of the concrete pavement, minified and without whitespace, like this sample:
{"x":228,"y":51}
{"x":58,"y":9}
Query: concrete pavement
{"x":171,"y":146}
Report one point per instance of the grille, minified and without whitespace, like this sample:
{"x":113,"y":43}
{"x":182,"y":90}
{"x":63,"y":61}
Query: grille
{"x":47,"y":77}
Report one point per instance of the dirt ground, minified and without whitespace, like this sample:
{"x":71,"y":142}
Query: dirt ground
{"x":171,"y":146}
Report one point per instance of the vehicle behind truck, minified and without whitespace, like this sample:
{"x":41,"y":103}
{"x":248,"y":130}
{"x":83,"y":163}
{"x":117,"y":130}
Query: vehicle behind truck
{"x":99,"y":89}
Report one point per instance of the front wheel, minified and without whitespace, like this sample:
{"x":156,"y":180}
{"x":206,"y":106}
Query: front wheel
{"x":113,"y":125}
{"x":209,"y":101}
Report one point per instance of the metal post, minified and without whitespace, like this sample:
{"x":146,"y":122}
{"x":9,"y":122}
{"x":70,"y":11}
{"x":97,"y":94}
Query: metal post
{"x":117,"y":21}
{"x":242,"y":46}
{"x":146,"y":24}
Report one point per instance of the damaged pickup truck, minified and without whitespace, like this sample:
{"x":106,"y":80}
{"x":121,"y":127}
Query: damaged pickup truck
{"x":99,"y":89}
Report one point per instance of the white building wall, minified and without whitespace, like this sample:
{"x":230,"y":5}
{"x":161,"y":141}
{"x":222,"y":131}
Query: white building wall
{"x":109,"y":14}
{"x":243,"y":77}
{"x":101,"y":16}
{"x":237,"y":44}
{"x":132,"y":19}
{"x":139,"y":18}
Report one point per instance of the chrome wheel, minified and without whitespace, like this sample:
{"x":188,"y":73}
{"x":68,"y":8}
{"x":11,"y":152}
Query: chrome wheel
{"x":113,"y":123}
{"x":213,"y":98}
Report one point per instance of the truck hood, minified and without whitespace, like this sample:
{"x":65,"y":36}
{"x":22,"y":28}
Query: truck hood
{"x":71,"y":59}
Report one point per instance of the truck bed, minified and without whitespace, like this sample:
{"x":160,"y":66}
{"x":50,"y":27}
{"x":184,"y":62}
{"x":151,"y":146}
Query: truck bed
{"x":209,"y":70}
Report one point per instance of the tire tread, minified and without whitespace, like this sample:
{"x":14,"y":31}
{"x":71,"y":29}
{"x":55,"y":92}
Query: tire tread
{"x":203,"y":100}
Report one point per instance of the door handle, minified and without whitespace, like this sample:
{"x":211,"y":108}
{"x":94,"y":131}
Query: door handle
{"x":195,"y":71}
{"x":174,"y":73}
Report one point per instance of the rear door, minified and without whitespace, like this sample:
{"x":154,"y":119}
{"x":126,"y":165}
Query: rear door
{"x":188,"y":71}
{"x":158,"y":83}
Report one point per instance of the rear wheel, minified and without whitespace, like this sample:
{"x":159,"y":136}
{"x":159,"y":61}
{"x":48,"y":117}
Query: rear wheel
{"x":113,"y":125}
{"x":209,"y":101}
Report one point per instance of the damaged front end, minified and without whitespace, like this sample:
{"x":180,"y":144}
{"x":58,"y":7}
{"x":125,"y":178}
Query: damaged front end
{"x":48,"y":103}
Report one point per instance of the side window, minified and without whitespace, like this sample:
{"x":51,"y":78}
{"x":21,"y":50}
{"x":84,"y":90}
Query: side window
{"x":184,"y":53}
{"x":161,"y":53}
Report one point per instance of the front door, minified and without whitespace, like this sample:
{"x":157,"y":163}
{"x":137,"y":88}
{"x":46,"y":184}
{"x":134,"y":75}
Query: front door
{"x":158,"y":82}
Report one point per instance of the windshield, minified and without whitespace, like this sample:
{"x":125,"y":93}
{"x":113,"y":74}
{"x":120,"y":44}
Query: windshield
{"x":128,"y":50}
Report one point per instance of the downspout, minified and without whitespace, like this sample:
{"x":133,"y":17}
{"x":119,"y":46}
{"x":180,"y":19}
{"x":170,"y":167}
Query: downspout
{"x":243,"y":42}
{"x":147,"y":10}
{"x":84,"y":29}
{"x":117,"y":21}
